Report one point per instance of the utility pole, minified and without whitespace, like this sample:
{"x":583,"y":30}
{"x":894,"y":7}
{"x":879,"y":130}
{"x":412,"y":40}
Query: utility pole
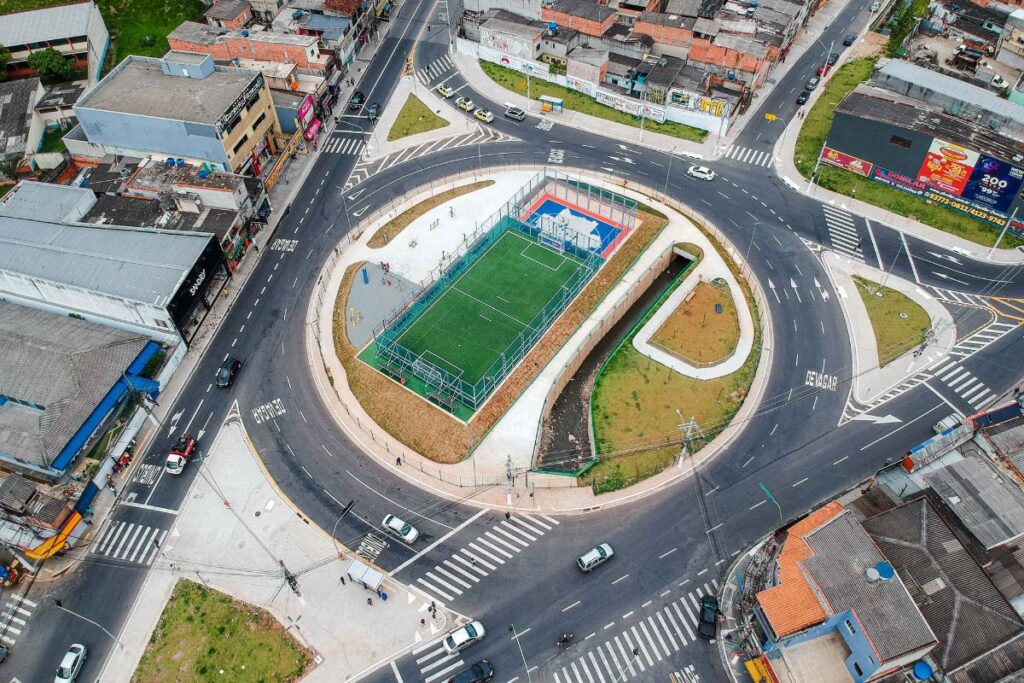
{"x":59,"y":604}
{"x":509,"y":478}
{"x":291,"y":579}
{"x":671,"y":158}
{"x":1000,"y":238}
{"x":515,"y":637}
{"x":770,"y":497}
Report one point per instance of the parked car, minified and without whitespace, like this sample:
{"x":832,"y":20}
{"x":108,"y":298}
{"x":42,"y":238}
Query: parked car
{"x":515,"y":113}
{"x":373,"y":111}
{"x":812,"y":83}
{"x":875,"y":6}
{"x":71,"y":665}
{"x":403,"y":530}
{"x":594,"y":558}
{"x":444,"y":91}
{"x":708,"y":626}
{"x":833,"y":58}
{"x":228,"y":370}
{"x":461,"y":638}
{"x":465,"y":104}
{"x":357,"y":100}
{"x":850,"y":39}
{"x":803,"y":97}
{"x":484,"y":115}
{"x":181,"y":453}
{"x":823,"y":70}
{"x":700,"y":173}
{"x":478,"y":673}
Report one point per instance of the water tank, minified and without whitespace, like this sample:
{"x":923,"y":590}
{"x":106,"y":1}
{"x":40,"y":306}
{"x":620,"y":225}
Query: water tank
{"x":885,"y":571}
{"x":203,"y":173}
{"x":180,"y":163}
{"x":731,"y":76}
{"x":245,"y":33}
{"x":236,"y":61}
{"x":922,"y":671}
{"x":871,"y":575}
{"x":169,"y":162}
{"x":552,"y":28}
{"x":297,"y":14}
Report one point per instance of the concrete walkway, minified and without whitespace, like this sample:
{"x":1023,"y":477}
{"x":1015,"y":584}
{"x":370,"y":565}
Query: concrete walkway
{"x":233,"y":532}
{"x":710,"y":268}
{"x":532,"y":492}
{"x":871,"y":381}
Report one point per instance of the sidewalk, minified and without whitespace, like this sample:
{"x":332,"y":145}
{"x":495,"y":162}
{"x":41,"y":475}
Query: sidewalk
{"x":787,"y":171}
{"x":233,"y":533}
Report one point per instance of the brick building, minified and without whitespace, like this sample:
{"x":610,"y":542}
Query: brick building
{"x":230,"y":14}
{"x":266,"y":46}
{"x":584,"y":16}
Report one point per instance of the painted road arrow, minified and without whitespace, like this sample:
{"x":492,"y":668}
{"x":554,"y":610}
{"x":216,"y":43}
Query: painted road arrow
{"x":821,"y":290}
{"x":878,"y":419}
{"x":771,"y":285}
{"x":954,"y":259}
{"x":360,"y":212}
{"x":947,"y":277}
{"x":792,"y":283}
{"x":355,"y":195}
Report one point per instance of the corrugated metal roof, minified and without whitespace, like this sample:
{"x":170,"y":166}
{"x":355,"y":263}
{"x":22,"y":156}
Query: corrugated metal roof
{"x":51,"y":23}
{"x":988,"y":504}
{"x":131,"y":263}
{"x":47,"y":202}
{"x":16,"y":101}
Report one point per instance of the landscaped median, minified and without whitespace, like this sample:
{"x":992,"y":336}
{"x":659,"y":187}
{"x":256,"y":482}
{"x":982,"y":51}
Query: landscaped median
{"x":811,"y":139}
{"x":577,"y":101}
{"x":898,"y":322}
{"x":414,"y":118}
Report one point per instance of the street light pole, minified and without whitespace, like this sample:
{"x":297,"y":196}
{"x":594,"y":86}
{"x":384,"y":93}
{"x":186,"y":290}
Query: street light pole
{"x":746,"y":257}
{"x":515,"y":637}
{"x":771,"y":498}
{"x":1000,"y":238}
{"x":622,"y":669}
{"x":671,"y":158}
{"x":60,"y":605}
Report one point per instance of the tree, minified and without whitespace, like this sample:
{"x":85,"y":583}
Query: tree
{"x":51,"y":65}
{"x":5,"y":57}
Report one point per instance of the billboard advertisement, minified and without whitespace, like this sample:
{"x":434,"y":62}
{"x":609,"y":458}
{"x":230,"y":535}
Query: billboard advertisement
{"x":306,"y":111}
{"x":898,"y":180}
{"x":846,"y":161}
{"x":994,"y":184}
{"x":947,"y":167}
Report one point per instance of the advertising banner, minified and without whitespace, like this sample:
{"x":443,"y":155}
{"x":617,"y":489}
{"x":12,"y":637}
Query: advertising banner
{"x":305,"y":110}
{"x":994,"y":184}
{"x":628,"y":105}
{"x":846,"y":162}
{"x":898,"y":180}
{"x":512,"y":62}
{"x":947,"y":167}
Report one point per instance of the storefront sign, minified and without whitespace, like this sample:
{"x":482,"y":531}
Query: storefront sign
{"x":305,"y":110}
{"x":846,"y":162}
{"x":994,"y":184}
{"x":947,"y":167}
{"x":898,"y":180}
{"x":275,"y":172}
{"x":248,"y":96}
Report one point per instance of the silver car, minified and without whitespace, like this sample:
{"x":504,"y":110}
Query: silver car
{"x":400,"y":529}
{"x":594,"y":557}
{"x":71,"y":665}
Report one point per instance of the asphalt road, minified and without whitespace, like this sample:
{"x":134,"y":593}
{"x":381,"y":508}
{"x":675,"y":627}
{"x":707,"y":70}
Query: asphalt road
{"x":669,"y":549}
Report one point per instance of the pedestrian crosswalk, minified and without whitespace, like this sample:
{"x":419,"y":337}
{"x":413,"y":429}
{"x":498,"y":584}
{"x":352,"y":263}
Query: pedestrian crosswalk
{"x":130,"y":542}
{"x":962,"y":298}
{"x":639,"y":648}
{"x":371,"y":546}
{"x":842,"y":231}
{"x":433,"y":71}
{"x":434,"y":663}
{"x":745,"y":155}
{"x":483,"y":555}
{"x":961,"y":381}
{"x":16,"y":612}
{"x":342,"y":145}
{"x":983,"y":338}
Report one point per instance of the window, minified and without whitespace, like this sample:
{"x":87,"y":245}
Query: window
{"x":162,"y":323}
{"x":856,"y":667}
{"x":899,"y":142}
{"x":241,"y":141}
{"x":849,"y":627}
{"x":261,"y":119}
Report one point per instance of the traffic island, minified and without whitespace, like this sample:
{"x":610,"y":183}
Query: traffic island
{"x":900,"y":325}
{"x":415,"y":117}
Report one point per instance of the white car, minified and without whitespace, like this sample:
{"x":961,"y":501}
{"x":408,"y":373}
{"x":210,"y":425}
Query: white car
{"x":461,"y":638}
{"x":71,"y":665}
{"x":403,"y":530}
{"x":594,"y":557}
{"x":700,"y":173}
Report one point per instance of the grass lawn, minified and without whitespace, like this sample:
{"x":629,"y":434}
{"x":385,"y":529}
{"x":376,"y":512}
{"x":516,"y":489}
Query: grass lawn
{"x":137,"y":27}
{"x":414,"y":118}
{"x":696,"y":332}
{"x":577,"y":101}
{"x":812,"y":136}
{"x":634,"y":404}
{"x":204,"y":635}
{"x":894,"y":333}
{"x":396,"y":225}
{"x":53,"y":140}
{"x":4,"y":189}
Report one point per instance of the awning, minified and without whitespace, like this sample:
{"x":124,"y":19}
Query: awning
{"x":365,"y":574}
{"x":313,"y":128}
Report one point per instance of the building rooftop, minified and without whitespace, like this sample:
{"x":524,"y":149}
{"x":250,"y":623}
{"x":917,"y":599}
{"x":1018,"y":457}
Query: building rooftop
{"x":200,"y":34}
{"x":524,"y":29}
{"x":53,"y":373}
{"x":156,"y":176}
{"x":16,"y":101}
{"x":664,"y":19}
{"x":988,"y":504}
{"x":226,"y":10}
{"x":148,"y":213}
{"x":46,"y":202}
{"x":61,"y":96}
{"x":965,"y":610}
{"x":745,"y":44}
{"x":134,"y":264}
{"x":842,"y":553}
{"x":275,"y":70}
{"x":694,"y":8}
{"x":877,"y":104}
{"x":584,"y":9}
{"x":110,"y":174}
{"x":589,"y":55}
{"x":47,"y":24}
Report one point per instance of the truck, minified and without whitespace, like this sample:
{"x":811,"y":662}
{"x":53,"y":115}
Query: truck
{"x":181,"y":453}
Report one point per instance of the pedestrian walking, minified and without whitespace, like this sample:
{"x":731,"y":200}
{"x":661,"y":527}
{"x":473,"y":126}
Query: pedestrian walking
{"x":342,"y":580}
{"x":398,"y":461}
{"x":256,"y":247}
{"x":369,"y":601}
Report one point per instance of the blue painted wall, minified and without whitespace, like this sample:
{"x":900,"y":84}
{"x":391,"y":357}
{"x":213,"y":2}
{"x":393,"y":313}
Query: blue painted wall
{"x":160,"y":136}
{"x":862,"y":656}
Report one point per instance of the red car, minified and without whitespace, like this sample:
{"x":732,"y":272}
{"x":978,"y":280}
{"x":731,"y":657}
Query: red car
{"x":180,"y":454}
{"x":824,"y":69}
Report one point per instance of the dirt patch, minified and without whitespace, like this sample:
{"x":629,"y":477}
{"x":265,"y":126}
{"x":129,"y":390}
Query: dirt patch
{"x":434,"y":433}
{"x":697,"y":332}
{"x":396,"y":225}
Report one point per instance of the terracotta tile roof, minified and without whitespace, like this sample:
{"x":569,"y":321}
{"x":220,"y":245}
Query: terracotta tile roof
{"x":792,"y":605}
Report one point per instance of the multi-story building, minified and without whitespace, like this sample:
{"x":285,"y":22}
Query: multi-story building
{"x":75,"y":30}
{"x":20,"y":130}
{"x":181,"y":106}
{"x":230,"y":14}
{"x":584,"y":16}
{"x":265,"y":46}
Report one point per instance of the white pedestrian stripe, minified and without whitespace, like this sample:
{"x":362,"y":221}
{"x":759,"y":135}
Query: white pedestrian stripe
{"x":746,"y":155}
{"x":656,"y":638}
{"x":436,"y":664}
{"x":371,"y":546}
{"x":435,"y":70}
{"x":14,"y":617}
{"x":963,"y":382}
{"x":342,"y":145}
{"x":482,"y":556}
{"x":130,"y":542}
{"x":843,"y":232}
